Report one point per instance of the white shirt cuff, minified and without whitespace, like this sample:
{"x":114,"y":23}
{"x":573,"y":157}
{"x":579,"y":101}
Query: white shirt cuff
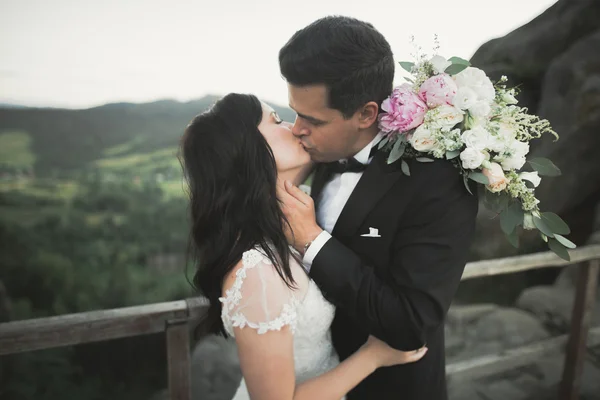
{"x":314,"y":249}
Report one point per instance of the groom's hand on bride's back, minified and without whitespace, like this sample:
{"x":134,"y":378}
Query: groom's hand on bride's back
{"x":299,"y":209}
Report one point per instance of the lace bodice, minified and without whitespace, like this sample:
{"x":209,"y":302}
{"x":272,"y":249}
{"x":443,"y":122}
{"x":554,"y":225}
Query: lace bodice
{"x":259,"y":299}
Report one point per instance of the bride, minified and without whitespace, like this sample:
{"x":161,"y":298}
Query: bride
{"x":234,"y":157}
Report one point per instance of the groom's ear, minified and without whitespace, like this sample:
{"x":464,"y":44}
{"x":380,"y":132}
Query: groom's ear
{"x":367,"y":115}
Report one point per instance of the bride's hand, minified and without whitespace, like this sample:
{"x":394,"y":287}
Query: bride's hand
{"x":386,"y":356}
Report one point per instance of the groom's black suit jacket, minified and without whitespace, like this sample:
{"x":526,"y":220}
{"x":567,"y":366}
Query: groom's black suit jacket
{"x":397,"y":287}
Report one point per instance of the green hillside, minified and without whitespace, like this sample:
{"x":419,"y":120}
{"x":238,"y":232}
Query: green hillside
{"x":92,"y":216}
{"x":58,"y":140}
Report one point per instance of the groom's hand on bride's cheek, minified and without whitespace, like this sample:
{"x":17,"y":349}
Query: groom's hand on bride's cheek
{"x":299,"y":210}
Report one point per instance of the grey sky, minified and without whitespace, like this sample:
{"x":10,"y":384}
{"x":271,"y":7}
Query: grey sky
{"x":81,"y":53}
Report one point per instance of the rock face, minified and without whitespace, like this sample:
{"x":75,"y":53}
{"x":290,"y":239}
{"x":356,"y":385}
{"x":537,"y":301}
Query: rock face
{"x":215,"y":368}
{"x":555,"y":59}
{"x":477,"y":330}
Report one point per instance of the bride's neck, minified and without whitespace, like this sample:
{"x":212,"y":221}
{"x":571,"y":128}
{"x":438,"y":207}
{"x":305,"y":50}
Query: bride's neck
{"x":296,"y":176}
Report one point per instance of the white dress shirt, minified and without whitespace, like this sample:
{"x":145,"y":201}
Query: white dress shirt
{"x":332,"y":200}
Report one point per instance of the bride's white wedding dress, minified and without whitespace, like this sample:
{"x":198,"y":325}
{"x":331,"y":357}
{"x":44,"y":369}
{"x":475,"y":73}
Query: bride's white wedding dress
{"x":259,"y":299}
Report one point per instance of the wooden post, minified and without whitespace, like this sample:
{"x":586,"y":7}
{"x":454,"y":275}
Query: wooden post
{"x":585,"y":297}
{"x":178,"y":355}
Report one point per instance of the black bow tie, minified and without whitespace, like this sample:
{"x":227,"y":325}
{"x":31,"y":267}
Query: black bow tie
{"x":350,"y":165}
{"x":343,"y":166}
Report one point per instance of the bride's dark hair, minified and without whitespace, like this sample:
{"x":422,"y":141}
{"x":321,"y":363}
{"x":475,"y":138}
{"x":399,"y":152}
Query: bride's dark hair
{"x":231,"y":176}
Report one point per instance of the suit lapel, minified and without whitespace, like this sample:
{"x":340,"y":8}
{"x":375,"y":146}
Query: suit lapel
{"x":377,"y":179}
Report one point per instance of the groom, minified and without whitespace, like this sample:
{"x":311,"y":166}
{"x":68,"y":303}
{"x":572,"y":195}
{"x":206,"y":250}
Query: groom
{"x":388,"y":250}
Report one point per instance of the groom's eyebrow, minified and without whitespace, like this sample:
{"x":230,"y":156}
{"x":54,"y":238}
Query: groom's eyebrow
{"x":310,"y":119}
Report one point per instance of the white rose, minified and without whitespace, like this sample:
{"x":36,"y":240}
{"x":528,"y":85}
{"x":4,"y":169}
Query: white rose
{"x":513,"y":162}
{"x":465,"y":98}
{"x":423,"y":140}
{"x":471,"y":158}
{"x":439,"y":64}
{"x":445,"y":117}
{"x":477,"y":138}
{"x":477,"y":80}
{"x":480,"y":109}
{"x":532,"y":177}
{"x":496,"y":177}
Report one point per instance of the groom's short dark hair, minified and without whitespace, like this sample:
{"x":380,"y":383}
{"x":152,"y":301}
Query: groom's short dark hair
{"x":349,"y":56}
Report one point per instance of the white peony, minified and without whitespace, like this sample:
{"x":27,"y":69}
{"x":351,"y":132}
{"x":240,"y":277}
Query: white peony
{"x":423,"y":140}
{"x":471,"y":158}
{"x":532,"y":177}
{"x":478,"y":81}
{"x":439,"y":64}
{"x":465,"y":98}
{"x":445,"y":117}
{"x":477,"y":138}
{"x":480,"y":109}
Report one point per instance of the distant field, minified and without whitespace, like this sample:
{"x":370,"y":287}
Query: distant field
{"x":45,"y":188}
{"x":15,"y":150}
{"x":139,"y":162}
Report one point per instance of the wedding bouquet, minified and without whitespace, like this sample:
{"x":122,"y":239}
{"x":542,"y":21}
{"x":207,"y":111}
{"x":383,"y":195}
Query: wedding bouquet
{"x":450,"y":110}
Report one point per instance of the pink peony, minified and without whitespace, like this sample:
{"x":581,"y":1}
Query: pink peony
{"x":438,"y":90}
{"x":404,"y":110}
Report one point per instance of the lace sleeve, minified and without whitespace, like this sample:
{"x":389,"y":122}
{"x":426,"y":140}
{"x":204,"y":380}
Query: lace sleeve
{"x":259,"y":298}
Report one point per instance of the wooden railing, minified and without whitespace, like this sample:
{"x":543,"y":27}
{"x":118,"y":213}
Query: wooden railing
{"x":174,"y":318}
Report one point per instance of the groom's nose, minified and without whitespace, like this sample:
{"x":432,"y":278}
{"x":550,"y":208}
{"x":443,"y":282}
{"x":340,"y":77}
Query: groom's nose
{"x":299,"y":129}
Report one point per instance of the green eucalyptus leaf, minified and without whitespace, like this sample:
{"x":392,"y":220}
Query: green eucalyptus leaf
{"x":542,"y":226}
{"x":466,"y":182}
{"x":559,"y":249}
{"x":424,"y":159}
{"x":513,"y":238}
{"x":397,"y":151}
{"x":564,"y":241}
{"x":479,"y":178}
{"x":458,"y":60}
{"x":544,"y":167}
{"x":405,"y":168}
{"x":495,"y":202}
{"x":408,"y":66}
{"x":452,"y":154}
{"x":455,"y":69}
{"x":383,"y":142}
{"x":555,"y":223}
{"x":511,"y":217}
